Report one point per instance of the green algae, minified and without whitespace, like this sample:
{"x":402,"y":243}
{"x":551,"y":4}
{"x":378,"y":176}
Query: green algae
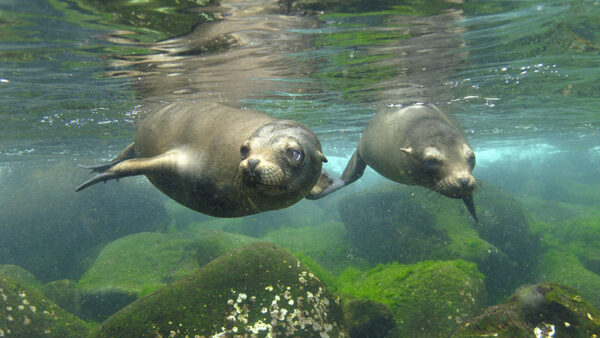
{"x":25,"y":312}
{"x":428,"y":299}
{"x":256,"y":289}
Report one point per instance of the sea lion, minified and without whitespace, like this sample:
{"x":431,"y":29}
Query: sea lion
{"x":416,"y":145}
{"x":222,"y":161}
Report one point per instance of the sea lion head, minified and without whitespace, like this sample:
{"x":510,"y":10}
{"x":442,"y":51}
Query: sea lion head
{"x":281,"y":158}
{"x":444,"y":163}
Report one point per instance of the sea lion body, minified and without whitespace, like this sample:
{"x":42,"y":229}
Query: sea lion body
{"x":221,"y":161}
{"x":417,"y":145}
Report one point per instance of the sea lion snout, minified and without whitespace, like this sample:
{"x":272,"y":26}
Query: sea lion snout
{"x":257,"y":171}
{"x":456,"y":186}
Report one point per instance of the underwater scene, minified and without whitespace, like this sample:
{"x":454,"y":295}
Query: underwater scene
{"x":299,"y":168}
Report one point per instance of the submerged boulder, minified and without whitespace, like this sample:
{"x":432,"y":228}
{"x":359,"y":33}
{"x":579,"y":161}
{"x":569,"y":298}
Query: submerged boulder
{"x":25,"y":312}
{"x":428,"y":299}
{"x":138,"y":264}
{"x":387,"y":225}
{"x":258,"y":289}
{"x":543,"y":310}
{"x":408,"y":224}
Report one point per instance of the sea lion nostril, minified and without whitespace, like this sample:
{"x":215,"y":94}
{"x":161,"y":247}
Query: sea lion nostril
{"x":464,"y":182}
{"x":252,"y":163}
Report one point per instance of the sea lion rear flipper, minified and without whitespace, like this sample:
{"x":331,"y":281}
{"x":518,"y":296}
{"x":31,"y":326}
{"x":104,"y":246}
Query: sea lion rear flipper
{"x":325,"y":186}
{"x":471,"y":206}
{"x":129,"y":167}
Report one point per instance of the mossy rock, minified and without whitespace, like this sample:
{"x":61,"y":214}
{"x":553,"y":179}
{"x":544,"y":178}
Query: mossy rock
{"x":325,"y":243}
{"x":547,"y":308}
{"x":367,"y":319}
{"x":565,"y":268}
{"x":386,"y":225}
{"x":25,"y":312}
{"x":408,"y":224}
{"x":211,"y":244}
{"x":141,"y":263}
{"x":428,"y":299}
{"x":19,"y":274}
{"x":63,"y":293}
{"x":258,"y":289}
{"x":132,"y":266}
{"x":51,"y":230}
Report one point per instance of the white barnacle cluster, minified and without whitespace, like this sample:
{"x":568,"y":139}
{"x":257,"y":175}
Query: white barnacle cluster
{"x":544,"y":330}
{"x":285,"y":311}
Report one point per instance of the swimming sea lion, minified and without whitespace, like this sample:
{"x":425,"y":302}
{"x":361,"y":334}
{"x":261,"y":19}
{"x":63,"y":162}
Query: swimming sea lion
{"x":222,"y":161}
{"x":417,"y":145}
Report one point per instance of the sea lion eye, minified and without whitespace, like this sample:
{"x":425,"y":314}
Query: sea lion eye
{"x":244,"y":151}
{"x":471,"y":160}
{"x":295,"y":155}
{"x":431,"y":162}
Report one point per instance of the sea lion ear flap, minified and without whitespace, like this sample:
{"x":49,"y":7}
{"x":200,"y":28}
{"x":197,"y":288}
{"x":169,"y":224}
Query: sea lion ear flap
{"x":321,"y":157}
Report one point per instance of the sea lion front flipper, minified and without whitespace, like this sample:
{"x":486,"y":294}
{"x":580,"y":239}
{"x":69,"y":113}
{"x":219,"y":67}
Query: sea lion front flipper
{"x":131,"y":167}
{"x":354,"y":169}
{"x":325,"y":186}
{"x":468,"y":200}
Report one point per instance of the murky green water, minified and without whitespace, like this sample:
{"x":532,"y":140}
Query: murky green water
{"x":522,"y":77}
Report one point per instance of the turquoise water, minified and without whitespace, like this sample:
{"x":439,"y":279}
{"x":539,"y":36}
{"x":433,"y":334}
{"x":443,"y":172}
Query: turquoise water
{"x":522,"y":77}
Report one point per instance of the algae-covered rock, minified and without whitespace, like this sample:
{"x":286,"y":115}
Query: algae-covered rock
{"x":19,"y":274}
{"x":141,"y":262}
{"x":367,"y":319}
{"x":211,"y":244}
{"x":63,"y":293}
{"x":543,"y":310}
{"x":24,"y":312}
{"x":257,"y":289}
{"x":503,"y":223}
{"x":428,"y":299}
{"x":138,"y":264}
{"x":325,"y":243}
{"x":565,"y":268}
{"x":409,"y":224}
{"x":386,"y":225}
{"x":50,"y":230}
{"x":132,"y":266}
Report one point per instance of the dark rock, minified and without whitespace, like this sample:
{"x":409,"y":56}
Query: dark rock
{"x":367,"y":319}
{"x":256,"y":289}
{"x":543,"y":310}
